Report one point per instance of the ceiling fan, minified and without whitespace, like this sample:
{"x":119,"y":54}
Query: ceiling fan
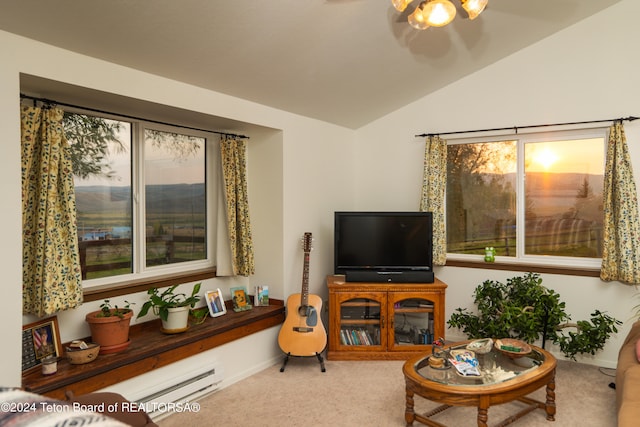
{"x":438,"y":13}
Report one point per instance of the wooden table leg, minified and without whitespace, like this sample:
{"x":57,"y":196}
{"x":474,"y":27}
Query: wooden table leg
{"x":483,"y":411}
{"x":550,"y":404}
{"x":483,"y":416}
{"x":409,"y":413}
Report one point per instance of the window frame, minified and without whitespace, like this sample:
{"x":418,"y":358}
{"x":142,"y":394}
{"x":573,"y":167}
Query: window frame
{"x":143,"y":277}
{"x":522,"y":262}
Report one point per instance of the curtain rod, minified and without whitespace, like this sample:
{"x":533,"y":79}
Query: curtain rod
{"x":52,"y":102}
{"x":515,"y":128}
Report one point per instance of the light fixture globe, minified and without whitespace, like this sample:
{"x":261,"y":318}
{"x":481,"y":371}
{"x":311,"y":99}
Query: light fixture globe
{"x":438,"y":13}
{"x":474,"y":7}
{"x":400,"y":5}
{"x":417,"y":19}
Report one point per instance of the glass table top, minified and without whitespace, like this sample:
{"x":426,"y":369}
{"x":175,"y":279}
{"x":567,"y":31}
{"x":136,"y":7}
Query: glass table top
{"x":493,"y":368}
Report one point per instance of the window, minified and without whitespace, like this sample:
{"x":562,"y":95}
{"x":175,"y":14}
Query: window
{"x":143,"y":194}
{"x":534,"y":198}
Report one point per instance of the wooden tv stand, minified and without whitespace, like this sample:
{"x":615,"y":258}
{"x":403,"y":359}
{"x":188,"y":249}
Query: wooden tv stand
{"x":383,"y":320}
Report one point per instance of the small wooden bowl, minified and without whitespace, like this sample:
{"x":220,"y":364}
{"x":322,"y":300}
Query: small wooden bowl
{"x":438,"y":362}
{"x":79,"y":356}
{"x":514,"y":348}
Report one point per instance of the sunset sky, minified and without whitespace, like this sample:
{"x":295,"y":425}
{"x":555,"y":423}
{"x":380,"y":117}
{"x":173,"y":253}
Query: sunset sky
{"x":576,"y":156}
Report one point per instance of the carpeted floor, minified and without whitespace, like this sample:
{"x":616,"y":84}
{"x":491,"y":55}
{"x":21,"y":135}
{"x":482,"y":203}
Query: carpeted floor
{"x":371,"y":393}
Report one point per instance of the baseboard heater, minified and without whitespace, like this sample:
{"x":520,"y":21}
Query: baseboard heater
{"x":160,"y":399}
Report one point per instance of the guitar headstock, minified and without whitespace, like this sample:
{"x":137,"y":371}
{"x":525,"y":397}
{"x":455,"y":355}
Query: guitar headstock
{"x":307,"y":242}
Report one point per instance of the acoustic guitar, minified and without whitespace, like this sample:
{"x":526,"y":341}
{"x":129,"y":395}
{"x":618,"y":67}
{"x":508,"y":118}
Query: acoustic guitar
{"x":302,"y":333}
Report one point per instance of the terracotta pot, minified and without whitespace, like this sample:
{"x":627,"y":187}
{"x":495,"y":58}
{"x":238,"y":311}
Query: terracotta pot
{"x":112,"y":333}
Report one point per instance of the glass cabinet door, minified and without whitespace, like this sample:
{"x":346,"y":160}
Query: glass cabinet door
{"x":361,"y":322}
{"x":412,"y":321}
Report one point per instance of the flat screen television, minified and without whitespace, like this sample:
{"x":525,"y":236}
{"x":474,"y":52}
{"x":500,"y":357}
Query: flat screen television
{"x":384,"y":246}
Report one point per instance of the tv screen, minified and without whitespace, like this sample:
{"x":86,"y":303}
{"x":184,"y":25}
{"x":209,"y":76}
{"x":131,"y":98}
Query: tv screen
{"x":383,"y":241}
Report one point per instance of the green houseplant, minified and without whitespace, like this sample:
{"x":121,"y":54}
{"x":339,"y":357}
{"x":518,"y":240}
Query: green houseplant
{"x":110,"y":327}
{"x":525,"y":309}
{"x":173,"y":308}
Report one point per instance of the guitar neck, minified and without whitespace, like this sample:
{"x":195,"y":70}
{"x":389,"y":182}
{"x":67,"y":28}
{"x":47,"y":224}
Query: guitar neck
{"x":305,"y":281}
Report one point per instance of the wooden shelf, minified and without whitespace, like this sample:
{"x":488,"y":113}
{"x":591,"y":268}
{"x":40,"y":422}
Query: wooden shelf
{"x":151,"y":349}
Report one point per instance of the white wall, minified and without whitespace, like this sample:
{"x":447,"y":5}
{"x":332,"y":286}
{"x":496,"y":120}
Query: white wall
{"x":298,"y":171}
{"x":586,"y":72}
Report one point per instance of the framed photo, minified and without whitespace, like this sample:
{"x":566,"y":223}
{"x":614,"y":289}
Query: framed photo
{"x":239,"y":298}
{"x":215,"y":302}
{"x":39,"y":340}
{"x":261,"y":295}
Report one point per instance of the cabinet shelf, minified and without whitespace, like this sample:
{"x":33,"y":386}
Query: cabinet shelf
{"x":414,"y":310}
{"x":359,"y":304}
{"x":383,"y":320}
{"x":359,"y":321}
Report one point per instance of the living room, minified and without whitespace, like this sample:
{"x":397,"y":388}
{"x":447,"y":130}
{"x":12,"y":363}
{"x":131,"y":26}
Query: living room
{"x":302,"y":169}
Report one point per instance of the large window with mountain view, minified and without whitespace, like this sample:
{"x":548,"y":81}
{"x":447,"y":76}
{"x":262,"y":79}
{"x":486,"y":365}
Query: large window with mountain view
{"x":142,"y":196}
{"x":532,"y":197}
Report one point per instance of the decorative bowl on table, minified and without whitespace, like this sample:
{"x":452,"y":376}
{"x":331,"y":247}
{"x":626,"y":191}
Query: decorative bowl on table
{"x":512,"y":348}
{"x":79,"y":356}
{"x":481,"y":346}
{"x":437,"y":362}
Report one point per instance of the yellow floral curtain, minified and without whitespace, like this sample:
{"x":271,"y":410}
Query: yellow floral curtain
{"x":234,"y":165}
{"x":434,"y":183}
{"x":621,"y":242}
{"x":51,"y":270}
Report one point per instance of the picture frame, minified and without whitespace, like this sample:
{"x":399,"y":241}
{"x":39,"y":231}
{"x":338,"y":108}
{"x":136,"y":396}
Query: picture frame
{"x":240,"y":299}
{"x":215,"y":302}
{"x":261,"y":295}
{"x":40,"y":339}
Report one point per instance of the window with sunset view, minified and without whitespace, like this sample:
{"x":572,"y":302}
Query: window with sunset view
{"x":532,"y":197}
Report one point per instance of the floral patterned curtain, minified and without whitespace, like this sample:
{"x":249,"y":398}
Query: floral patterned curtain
{"x":621,"y":243}
{"x":233,"y":157}
{"x":51,"y":274}
{"x":434,"y":183}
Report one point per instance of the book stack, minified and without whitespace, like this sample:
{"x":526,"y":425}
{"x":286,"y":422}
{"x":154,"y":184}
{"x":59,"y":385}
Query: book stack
{"x":359,"y":336}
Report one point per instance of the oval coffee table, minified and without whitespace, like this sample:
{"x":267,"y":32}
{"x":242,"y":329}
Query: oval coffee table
{"x":502,"y":380}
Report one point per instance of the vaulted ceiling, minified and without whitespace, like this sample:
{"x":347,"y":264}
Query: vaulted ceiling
{"x":346,"y":62}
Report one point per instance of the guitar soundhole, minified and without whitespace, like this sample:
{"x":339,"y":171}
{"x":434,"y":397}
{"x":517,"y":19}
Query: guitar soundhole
{"x":303,"y":310}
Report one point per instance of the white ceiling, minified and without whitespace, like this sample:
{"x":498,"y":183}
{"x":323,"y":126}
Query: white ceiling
{"x":346,"y":62}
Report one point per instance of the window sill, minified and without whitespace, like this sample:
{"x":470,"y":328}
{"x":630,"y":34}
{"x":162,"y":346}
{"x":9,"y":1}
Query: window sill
{"x":151,"y":349}
{"x":534,"y":268}
{"x":142,"y":285}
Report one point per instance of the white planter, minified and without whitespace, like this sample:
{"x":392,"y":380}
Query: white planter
{"x":177,"y":321}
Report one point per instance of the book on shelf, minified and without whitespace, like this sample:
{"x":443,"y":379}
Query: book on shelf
{"x":359,"y":336}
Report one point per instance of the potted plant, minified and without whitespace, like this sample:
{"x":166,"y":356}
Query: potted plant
{"x":173,"y":308}
{"x":110,"y":327}
{"x":198,"y":315}
{"x":523,"y":308}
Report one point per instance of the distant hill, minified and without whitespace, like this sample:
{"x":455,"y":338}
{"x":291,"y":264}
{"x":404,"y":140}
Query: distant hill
{"x":568,"y":183}
{"x":176,"y":198}
{"x":558,"y":184}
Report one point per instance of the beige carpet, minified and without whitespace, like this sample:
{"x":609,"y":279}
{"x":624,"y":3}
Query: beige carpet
{"x":372,"y":394}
